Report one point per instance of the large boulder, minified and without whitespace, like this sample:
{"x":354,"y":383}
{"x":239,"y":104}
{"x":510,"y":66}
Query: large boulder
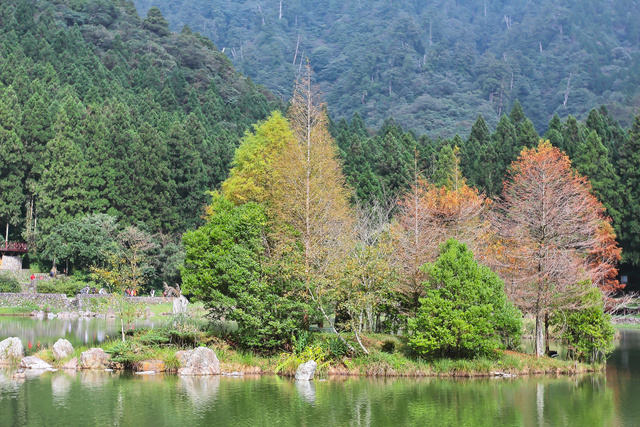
{"x":201,"y":361}
{"x":11,"y":350}
{"x":306,"y":370}
{"x":35,"y":363}
{"x":62,"y":349}
{"x":94,"y":358}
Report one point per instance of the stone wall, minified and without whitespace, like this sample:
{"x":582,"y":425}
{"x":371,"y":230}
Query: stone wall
{"x":11,"y":263}
{"x":55,"y":301}
{"x":61,"y":302}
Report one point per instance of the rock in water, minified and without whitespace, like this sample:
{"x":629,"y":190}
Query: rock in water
{"x":32,"y":362}
{"x":11,"y":350}
{"x":201,"y":361}
{"x":71,"y":365}
{"x":62,"y":349}
{"x":94,"y":358}
{"x":180,"y":305}
{"x":306,"y":370}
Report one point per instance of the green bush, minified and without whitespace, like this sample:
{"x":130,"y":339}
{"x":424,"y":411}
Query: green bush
{"x":9,"y":284}
{"x":60,"y":286}
{"x":588,"y":332}
{"x":337,"y":348}
{"x":465,"y":313}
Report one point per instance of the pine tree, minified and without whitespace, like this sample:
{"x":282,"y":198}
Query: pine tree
{"x":630,"y":174}
{"x":593,"y":161}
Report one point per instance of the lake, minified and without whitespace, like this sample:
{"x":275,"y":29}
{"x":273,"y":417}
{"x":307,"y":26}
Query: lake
{"x":125,"y":399}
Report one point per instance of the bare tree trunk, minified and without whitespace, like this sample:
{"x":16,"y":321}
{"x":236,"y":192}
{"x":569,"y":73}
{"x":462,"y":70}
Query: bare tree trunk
{"x":280,"y":14}
{"x":546,"y":333}
{"x":539,"y":334}
{"x":296,"y":54}
{"x":566,"y":94}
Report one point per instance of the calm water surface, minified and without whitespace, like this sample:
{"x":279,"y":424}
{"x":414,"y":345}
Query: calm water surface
{"x":102,"y":398}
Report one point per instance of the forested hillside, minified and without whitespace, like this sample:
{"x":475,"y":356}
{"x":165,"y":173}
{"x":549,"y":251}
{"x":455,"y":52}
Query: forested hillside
{"x":433,"y":65}
{"x":102,"y":111}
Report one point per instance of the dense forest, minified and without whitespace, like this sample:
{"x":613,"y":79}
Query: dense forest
{"x":104,"y":112}
{"x":433,"y":65}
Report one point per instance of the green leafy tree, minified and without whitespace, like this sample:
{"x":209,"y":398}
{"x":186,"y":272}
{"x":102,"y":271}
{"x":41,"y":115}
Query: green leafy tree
{"x":227,"y":267}
{"x":465,"y":311}
{"x":84,"y":242}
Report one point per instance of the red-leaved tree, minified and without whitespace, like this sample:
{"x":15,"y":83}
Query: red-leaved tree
{"x":554,"y":235}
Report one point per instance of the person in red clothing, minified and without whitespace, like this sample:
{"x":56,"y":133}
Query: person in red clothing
{"x":33,"y":277}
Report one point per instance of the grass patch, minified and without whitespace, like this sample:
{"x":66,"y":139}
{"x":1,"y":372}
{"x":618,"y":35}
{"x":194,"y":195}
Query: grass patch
{"x":13,"y":311}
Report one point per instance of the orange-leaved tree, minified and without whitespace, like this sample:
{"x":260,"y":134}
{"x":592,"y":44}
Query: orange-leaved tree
{"x":550,"y":223}
{"x":430,"y":215}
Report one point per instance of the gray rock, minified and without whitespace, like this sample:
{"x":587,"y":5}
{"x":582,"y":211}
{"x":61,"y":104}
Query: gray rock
{"x":32,"y":362}
{"x":62,"y":349}
{"x":94,"y":358}
{"x":180,"y":304}
{"x":306,"y":370}
{"x":201,"y":361}
{"x":71,"y":365}
{"x":11,"y":350}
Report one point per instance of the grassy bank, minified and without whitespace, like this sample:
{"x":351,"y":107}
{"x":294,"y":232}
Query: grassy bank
{"x":17,"y":311}
{"x":163,"y":343}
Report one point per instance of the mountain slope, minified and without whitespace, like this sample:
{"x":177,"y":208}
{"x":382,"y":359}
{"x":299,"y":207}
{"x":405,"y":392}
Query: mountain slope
{"x":102,"y":111}
{"x":434,"y":66}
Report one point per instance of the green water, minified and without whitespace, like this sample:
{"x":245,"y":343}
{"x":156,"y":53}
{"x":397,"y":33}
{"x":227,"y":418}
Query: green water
{"x":102,"y":399}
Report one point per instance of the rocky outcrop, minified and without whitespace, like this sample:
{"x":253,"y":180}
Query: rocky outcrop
{"x":94,"y":358}
{"x":62,"y":349}
{"x":201,"y":361}
{"x":35,"y":363}
{"x":306,"y":371}
{"x":11,"y":350}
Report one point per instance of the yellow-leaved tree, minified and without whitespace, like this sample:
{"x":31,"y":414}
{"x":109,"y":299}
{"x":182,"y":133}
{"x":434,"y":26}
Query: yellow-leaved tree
{"x":250,"y":179}
{"x":310,"y":200}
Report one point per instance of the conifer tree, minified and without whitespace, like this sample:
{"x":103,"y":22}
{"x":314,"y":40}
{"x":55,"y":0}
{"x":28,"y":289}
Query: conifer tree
{"x":310,"y":197}
{"x":630,"y":174}
{"x":593,"y":161}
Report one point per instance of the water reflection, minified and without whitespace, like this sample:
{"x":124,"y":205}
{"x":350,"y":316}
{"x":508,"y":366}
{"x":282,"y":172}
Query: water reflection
{"x":45,"y":332}
{"x":307,"y":390}
{"x":100,"y":398}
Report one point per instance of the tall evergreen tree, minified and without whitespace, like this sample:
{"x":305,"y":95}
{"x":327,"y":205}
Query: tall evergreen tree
{"x":630,"y":173}
{"x":594,"y":162}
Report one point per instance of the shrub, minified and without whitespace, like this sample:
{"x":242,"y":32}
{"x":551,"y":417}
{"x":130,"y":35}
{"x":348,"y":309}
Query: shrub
{"x":337,"y":348}
{"x":9,"y":284}
{"x":588,"y":331}
{"x":465,"y":312}
{"x":59,"y":286}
